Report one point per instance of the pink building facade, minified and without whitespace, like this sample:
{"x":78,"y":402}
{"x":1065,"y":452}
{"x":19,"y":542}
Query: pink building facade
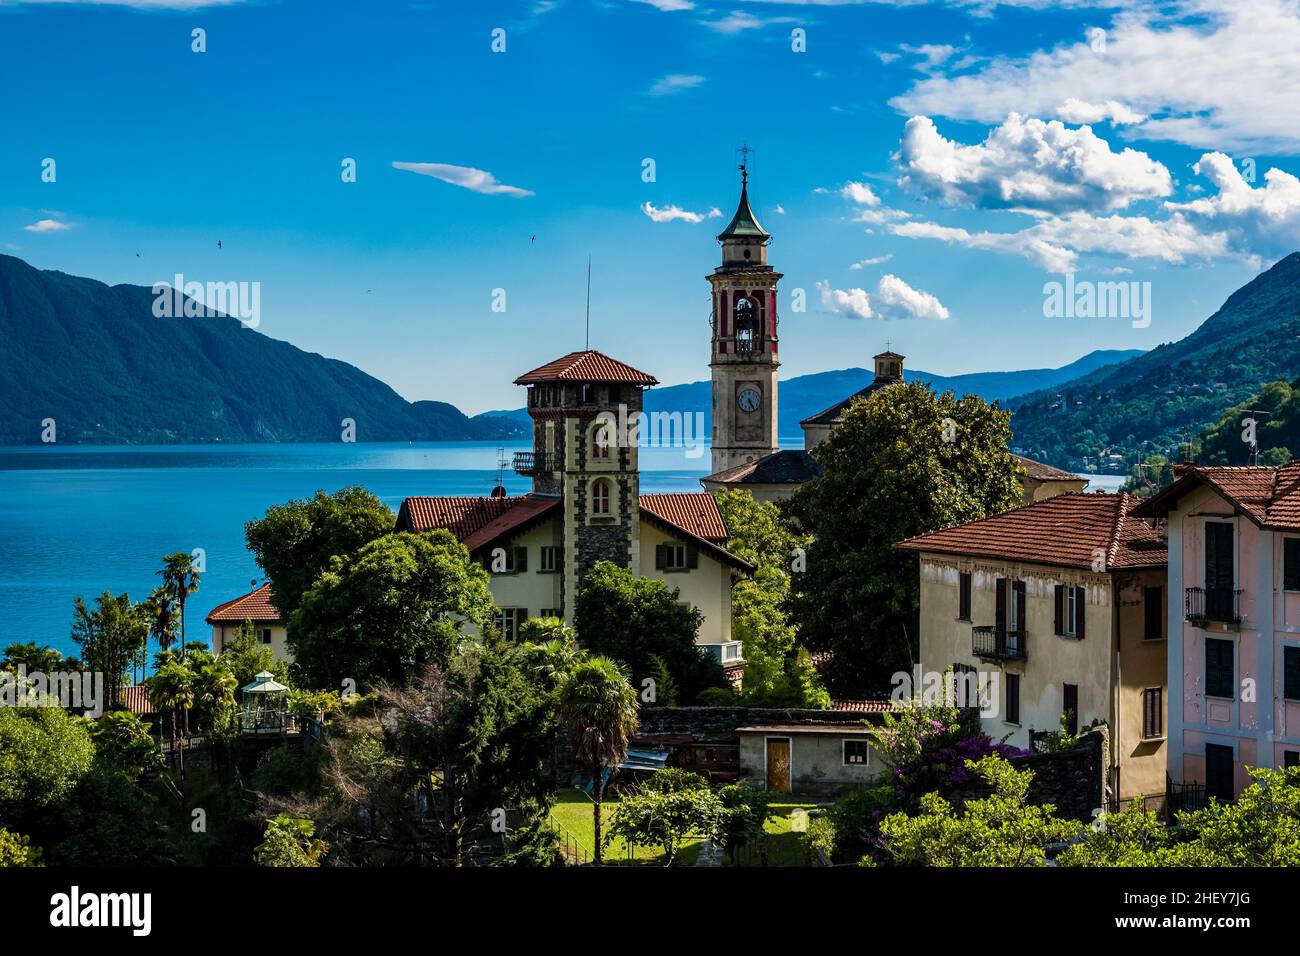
{"x":1234,"y":622}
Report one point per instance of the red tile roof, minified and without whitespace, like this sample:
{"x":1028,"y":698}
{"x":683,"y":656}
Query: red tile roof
{"x":588,"y":366}
{"x":1268,"y":496}
{"x":1064,"y":531}
{"x":863,"y":706}
{"x":696,"y":512}
{"x":1043,"y":472}
{"x":257,"y":606}
{"x":136,"y":699}
{"x":475,"y":522}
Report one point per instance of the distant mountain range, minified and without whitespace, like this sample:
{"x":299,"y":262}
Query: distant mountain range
{"x":805,"y":395}
{"x":96,"y":360}
{"x":1150,"y":404}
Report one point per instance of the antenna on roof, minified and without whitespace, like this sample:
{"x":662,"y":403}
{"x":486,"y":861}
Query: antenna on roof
{"x":588,"y":345}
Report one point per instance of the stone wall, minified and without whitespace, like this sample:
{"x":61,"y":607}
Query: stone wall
{"x":1071,"y":780}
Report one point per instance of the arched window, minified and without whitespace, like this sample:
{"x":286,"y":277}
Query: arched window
{"x":600,"y":497}
{"x":746,"y":324}
{"x":601,"y":439}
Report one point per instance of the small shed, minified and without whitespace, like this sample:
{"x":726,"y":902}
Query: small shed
{"x":814,"y":759}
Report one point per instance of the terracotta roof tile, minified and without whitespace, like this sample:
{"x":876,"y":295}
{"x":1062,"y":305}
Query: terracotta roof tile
{"x":863,"y":706}
{"x":256,"y":605}
{"x":1043,"y":472}
{"x":588,"y":366}
{"x":1064,"y":531}
{"x":136,"y":699}
{"x":1269,"y":496}
{"x":696,"y":512}
{"x":474,"y":522}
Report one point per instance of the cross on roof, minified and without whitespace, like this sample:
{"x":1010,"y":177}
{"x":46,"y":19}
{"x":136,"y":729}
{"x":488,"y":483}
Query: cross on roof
{"x":744,"y":151}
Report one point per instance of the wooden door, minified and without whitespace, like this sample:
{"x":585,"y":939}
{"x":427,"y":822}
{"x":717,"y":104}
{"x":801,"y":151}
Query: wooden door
{"x":778,"y":764}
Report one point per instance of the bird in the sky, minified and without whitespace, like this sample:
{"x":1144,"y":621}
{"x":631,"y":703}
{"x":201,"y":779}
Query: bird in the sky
{"x":534,"y":239}
{"x":218,"y":243}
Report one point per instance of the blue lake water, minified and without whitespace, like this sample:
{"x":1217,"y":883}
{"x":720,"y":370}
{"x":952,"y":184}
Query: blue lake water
{"x":77,"y":520}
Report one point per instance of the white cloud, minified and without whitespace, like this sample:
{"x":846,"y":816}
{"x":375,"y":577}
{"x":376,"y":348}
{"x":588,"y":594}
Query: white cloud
{"x":670,"y":5}
{"x":1214,"y":74}
{"x":934,"y":54}
{"x":669,"y":213}
{"x":47,"y":225}
{"x":854,"y":302}
{"x":1077,"y":111}
{"x":675,"y":83}
{"x":894,"y":299}
{"x":477,"y":180}
{"x":739,"y":21}
{"x":1264,"y":220}
{"x":779,"y":209}
{"x":1026,"y":163}
{"x":860,"y":193}
{"x":878,"y":260}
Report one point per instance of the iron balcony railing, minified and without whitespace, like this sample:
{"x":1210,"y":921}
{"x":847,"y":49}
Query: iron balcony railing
{"x":1218,"y":605}
{"x":534,"y":462}
{"x":988,"y":642}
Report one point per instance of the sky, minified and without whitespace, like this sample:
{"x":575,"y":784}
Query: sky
{"x":924,"y":168}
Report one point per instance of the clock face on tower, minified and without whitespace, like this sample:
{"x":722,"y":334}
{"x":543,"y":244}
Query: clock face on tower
{"x":748,"y":399}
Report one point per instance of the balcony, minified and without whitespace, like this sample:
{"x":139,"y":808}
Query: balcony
{"x":991,"y":644}
{"x":535,"y":463}
{"x":726,"y":654}
{"x":1212,"y":605}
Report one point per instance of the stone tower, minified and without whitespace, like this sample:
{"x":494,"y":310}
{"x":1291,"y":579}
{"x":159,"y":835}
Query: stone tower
{"x":585,"y":409}
{"x":743,"y":358}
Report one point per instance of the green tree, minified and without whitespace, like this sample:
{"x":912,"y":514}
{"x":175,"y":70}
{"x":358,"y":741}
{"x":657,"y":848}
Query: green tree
{"x":777,"y":672}
{"x":399,"y":603}
{"x":180,"y":579}
{"x":44,"y":751}
{"x":171,"y":690}
{"x":16,"y":850}
{"x":37,"y":658}
{"x":122,"y":739}
{"x":598,"y":707}
{"x":246,"y":657}
{"x":290,"y":841}
{"x":633,"y":620}
{"x":742,"y":818}
{"x":665,"y":819}
{"x":160,"y":611}
{"x":1001,"y":829}
{"x":552,"y":660}
{"x":111,"y":638}
{"x":294,"y":543}
{"x":905,"y":461}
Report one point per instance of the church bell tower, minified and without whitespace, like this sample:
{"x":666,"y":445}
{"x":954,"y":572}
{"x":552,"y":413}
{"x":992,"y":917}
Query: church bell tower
{"x":743,"y":359}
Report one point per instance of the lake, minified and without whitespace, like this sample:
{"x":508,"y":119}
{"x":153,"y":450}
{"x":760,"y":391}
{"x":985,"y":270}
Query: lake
{"x":75,"y":520}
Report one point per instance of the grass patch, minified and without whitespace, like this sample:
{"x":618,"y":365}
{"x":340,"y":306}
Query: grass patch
{"x":572,"y":812}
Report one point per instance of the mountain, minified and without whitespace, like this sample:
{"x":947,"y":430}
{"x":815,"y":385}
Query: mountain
{"x":805,"y":395}
{"x":1152,"y":403}
{"x":98,"y":361}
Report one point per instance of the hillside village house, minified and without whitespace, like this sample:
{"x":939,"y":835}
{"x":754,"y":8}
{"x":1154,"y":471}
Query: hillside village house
{"x":1234,"y":604}
{"x":257,"y":606}
{"x":1062,"y":600}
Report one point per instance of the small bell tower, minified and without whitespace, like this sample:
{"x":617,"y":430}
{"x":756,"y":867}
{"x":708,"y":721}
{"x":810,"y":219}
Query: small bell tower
{"x":743,"y":359}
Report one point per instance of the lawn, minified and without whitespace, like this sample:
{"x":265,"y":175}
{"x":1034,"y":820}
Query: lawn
{"x":786,"y":845}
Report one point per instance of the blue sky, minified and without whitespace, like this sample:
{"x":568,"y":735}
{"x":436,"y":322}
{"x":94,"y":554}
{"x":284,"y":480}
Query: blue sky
{"x":961,"y":154}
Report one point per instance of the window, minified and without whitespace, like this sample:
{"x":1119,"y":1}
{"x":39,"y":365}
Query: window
{"x":1153,"y":613}
{"x":1009,"y":606}
{"x":1070,"y":707}
{"x":1219,"y":574}
{"x":1218,"y":771}
{"x":965,"y":686}
{"x":509,"y":620}
{"x":585,"y":393}
{"x":552,"y":612}
{"x":1153,"y":713}
{"x":746,"y":325}
{"x":1071,"y":604}
{"x":507,"y":560}
{"x":265,"y":635}
{"x":856,"y":752}
{"x":600,"y":441}
{"x":676,"y":557}
{"x":1220,"y":675}
{"x":600,"y":498}
{"x":550,"y":559}
{"x":963,"y":596}
{"x":1291,"y":564}
{"x":1290,"y":758}
{"x":1013,"y":698}
{"x":1291,"y":673}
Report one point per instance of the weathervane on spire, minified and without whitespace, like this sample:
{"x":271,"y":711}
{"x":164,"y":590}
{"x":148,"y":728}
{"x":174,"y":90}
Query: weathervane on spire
{"x":744,"y":152}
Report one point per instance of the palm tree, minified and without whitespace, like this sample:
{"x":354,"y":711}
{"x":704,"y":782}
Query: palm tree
{"x":172,"y":689}
{"x":599,"y":707}
{"x":180,"y":579}
{"x":161,"y":611}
